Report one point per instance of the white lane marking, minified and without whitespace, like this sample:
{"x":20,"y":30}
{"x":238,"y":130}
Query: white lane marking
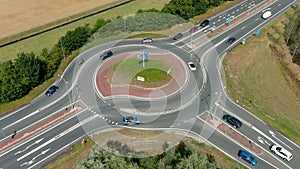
{"x":273,"y":134}
{"x":33,"y":159}
{"x":30,"y":139}
{"x":12,"y":113}
{"x":256,"y":19}
{"x":36,"y":142}
{"x":243,"y":27}
{"x":79,"y":137}
{"x":263,"y":134}
{"x":42,"y":153}
{"x":221,"y":42}
{"x":29,"y":115}
{"x":36,"y":122}
{"x":59,"y":135}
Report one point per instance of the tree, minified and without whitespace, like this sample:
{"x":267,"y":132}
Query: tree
{"x":74,"y":39}
{"x":31,"y":69}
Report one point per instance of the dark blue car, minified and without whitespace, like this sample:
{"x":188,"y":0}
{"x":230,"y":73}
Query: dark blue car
{"x":247,"y":157}
{"x":232,"y":120}
{"x":51,"y":90}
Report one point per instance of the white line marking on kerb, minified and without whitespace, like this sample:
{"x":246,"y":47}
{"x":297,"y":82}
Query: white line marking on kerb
{"x":29,"y":115}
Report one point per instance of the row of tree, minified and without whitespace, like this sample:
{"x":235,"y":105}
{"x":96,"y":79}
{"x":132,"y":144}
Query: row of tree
{"x":190,"y":8}
{"x":292,"y":36}
{"x":182,"y":156}
{"x":20,"y":76}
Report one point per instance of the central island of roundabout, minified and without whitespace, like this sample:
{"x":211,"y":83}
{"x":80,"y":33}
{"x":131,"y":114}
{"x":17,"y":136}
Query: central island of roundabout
{"x":142,"y":76}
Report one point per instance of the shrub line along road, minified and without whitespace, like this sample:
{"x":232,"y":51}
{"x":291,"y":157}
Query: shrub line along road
{"x":101,"y":115}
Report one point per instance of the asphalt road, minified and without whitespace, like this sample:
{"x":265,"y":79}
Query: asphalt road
{"x":76,"y":85}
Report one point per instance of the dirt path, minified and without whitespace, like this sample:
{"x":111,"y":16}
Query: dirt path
{"x":18,"y":15}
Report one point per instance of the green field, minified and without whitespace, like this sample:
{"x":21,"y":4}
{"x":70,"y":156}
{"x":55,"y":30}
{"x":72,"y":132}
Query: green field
{"x":256,"y":77}
{"x":48,"y":39}
{"x":128,"y":69}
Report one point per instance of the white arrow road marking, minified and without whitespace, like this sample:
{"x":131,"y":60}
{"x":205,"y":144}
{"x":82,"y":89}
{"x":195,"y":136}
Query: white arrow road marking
{"x":59,"y":135}
{"x":42,"y":153}
{"x":260,"y":140}
{"x":26,"y":163}
{"x":273,"y":134}
{"x":263,"y":141}
{"x":36,"y":142}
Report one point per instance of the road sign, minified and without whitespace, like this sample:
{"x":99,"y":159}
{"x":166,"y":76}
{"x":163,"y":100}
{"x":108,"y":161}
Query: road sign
{"x":228,"y":20}
{"x":257,"y":32}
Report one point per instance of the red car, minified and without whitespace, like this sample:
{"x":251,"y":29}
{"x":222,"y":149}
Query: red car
{"x":194,"y":29}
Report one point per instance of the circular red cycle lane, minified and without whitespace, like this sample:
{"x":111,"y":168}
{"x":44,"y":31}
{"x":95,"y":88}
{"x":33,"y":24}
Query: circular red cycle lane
{"x":105,"y":89}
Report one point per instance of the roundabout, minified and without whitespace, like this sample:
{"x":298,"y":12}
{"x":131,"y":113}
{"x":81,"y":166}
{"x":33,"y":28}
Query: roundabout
{"x":162,"y":75}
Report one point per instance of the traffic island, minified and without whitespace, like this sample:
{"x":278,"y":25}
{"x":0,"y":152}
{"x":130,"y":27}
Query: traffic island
{"x":128,"y":75}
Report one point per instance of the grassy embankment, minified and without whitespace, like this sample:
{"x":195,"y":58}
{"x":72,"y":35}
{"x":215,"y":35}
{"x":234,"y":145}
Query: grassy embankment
{"x":257,"y":77}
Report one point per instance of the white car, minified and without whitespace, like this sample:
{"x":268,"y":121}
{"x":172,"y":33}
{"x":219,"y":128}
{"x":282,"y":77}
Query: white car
{"x":266,"y":15}
{"x":280,"y":151}
{"x":192,"y":66}
{"x":147,"y":40}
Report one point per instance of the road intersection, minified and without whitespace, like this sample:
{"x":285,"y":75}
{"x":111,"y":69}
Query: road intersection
{"x":204,"y":96}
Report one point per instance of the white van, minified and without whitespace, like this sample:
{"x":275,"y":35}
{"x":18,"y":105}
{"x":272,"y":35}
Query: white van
{"x":266,"y":15}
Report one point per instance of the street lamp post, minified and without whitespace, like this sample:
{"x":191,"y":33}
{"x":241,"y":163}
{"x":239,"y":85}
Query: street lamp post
{"x":66,"y":84}
{"x":62,"y":48}
{"x":124,"y":22}
{"x":193,"y":21}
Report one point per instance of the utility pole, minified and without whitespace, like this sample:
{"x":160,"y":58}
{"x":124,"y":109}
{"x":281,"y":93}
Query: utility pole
{"x":62,"y":48}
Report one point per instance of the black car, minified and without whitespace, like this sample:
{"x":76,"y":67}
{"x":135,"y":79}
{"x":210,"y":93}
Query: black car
{"x":106,"y":54}
{"x":230,"y":40}
{"x":51,"y":90}
{"x":204,"y":23}
{"x":232,"y":120}
{"x":178,"y":36}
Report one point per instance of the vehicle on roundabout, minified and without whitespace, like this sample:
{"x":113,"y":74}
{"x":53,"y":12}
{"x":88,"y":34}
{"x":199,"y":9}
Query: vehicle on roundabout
{"x":147,"y":40}
{"x":192,"y":66}
{"x":247,"y":157}
{"x":51,"y":90}
{"x":131,"y":120}
{"x":178,"y":36}
{"x":281,"y":152}
{"x":106,"y":54}
{"x":236,"y":123}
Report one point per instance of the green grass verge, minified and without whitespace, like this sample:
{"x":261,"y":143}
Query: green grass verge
{"x":77,"y":153}
{"x":257,"y":79}
{"x":147,"y":35}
